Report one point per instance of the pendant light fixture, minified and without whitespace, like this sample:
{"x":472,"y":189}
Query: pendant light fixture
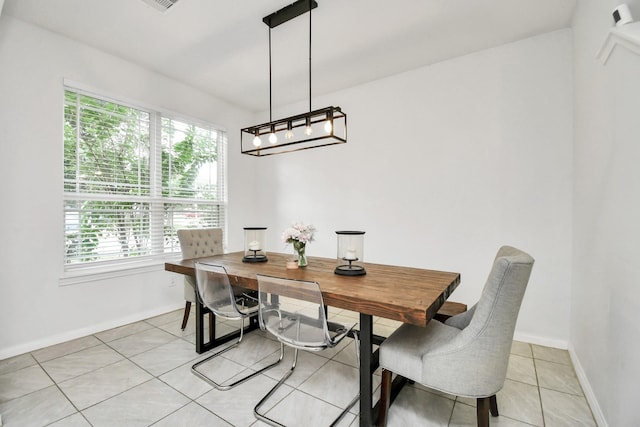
{"x":312,"y":129}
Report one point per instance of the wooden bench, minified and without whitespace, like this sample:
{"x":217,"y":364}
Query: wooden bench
{"x":449,"y":309}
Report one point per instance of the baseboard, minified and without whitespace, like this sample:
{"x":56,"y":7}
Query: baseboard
{"x":544,"y":341}
{"x":586,"y":388}
{"x":83,"y":332}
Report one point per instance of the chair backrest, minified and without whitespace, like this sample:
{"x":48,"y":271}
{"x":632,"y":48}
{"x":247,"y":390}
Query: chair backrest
{"x":200,"y":242}
{"x":215,"y":292}
{"x":293,"y":311}
{"x":486,"y":340}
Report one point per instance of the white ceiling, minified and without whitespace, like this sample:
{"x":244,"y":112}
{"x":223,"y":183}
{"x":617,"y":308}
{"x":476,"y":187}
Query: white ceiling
{"x":221,"y":46}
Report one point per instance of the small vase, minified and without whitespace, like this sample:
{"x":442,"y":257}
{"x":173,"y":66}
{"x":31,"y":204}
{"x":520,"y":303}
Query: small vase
{"x":299,"y":248}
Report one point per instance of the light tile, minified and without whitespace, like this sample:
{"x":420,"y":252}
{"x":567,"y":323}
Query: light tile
{"x":36,"y":409}
{"x":330,"y":353}
{"x":551,"y":354}
{"x":466,"y":416}
{"x":192,"y":415}
{"x":172,"y":316}
{"x":414,"y":407}
{"x":99,"y":385}
{"x":307,"y":364}
{"x":520,"y":402}
{"x":65,"y":348}
{"x":334,"y":382}
{"x":166,"y":357}
{"x":142,"y":341}
{"x":118,"y":392}
{"x":319,"y":413}
{"x":556,"y":376}
{"x":236,"y":405}
{"x":348,"y":355}
{"x":252,"y":349}
{"x":16,"y":363}
{"x":138,"y":407}
{"x":221,"y":370}
{"x":522,"y":369}
{"x":383,"y":330}
{"x":75,"y":420}
{"x":222,"y":326}
{"x":123,"y":331}
{"x":81,"y":362}
{"x":521,"y":349}
{"x":561,"y":409}
{"x":183,"y":380}
{"x":22,"y":382}
{"x":222,"y":329}
{"x":387,"y":322}
{"x":436,"y":392}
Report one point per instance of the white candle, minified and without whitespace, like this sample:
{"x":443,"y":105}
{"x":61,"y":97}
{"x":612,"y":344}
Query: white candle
{"x":350,"y":255}
{"x":254,"y":246}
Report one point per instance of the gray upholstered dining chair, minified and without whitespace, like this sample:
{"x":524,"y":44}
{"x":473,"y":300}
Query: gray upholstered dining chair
{"x":216,"y":293}
{"x":467,"y":355}
{"x":197,"y":243}
{"x":293,"y":311}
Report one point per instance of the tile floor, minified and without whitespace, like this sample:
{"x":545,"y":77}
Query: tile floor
{"x":139,"y":375}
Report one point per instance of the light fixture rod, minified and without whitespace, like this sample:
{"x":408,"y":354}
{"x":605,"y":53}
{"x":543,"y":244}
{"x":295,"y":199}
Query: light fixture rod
{"x":310,"y":7}
{"x":270,"y":102}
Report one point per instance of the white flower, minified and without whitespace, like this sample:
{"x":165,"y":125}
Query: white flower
{"x":298,"y":232}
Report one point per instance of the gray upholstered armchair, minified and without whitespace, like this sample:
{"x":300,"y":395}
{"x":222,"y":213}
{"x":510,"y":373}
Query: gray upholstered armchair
{"x":467,"y":355}
{"x":197,"y":243}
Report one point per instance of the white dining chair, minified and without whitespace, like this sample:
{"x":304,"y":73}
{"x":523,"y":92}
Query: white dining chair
{"x":467,"y":355}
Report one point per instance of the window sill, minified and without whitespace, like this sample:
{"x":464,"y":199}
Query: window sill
{"x":110,"y":271}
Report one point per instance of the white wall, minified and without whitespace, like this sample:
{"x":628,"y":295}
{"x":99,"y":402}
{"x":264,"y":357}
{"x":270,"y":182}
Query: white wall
{"x":605,"y":332}
{"x":34,"y":309}
{"x":443,"y":165}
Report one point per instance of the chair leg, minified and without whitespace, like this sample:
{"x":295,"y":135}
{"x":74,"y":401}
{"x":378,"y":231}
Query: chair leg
{"x":482,"y":411}
{"x":493,"y":405}
{"x":187,"y":308}
{"x":196,"y":372}
{"x":385,"y":398}
{"x":256,"y":409}
{"x":264,"y":418}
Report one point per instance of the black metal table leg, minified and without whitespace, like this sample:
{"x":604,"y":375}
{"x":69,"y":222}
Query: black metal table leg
{"x":366,"y":350}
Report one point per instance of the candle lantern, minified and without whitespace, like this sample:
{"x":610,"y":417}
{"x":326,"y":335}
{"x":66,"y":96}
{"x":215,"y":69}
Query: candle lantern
{"x":254,"y":244}
{"x":350,"y":253}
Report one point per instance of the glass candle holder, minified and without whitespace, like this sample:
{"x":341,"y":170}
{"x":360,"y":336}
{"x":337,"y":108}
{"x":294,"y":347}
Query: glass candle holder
{"x":350,"y":260}
{"x":254,"y":244}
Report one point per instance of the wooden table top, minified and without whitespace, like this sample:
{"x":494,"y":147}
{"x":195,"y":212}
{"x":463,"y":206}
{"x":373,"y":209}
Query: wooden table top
{"x":410,"y":295}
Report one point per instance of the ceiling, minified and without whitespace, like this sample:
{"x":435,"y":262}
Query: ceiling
{"x":221,"y":46}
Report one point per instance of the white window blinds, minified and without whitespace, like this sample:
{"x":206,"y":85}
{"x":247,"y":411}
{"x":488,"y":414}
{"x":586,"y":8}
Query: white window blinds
{"x":133,"y":177}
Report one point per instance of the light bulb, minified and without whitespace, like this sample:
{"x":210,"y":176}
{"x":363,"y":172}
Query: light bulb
{"x":256,"y":141}
{"x":273,"y":138}
{"x":288,"y":134}
{"x":308,"y":130}
{"x":328,"y":126}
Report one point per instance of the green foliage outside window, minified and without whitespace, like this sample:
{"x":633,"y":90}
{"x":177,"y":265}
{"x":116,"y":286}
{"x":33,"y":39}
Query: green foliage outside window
{"x":114,"y":201}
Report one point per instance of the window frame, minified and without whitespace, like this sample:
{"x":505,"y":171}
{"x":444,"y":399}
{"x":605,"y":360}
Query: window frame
{"x":105,"y":269}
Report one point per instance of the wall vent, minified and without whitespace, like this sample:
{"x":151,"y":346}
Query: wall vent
{"x":161,"y":5}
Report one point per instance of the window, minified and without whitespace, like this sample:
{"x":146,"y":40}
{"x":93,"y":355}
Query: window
{"x":132,"y":178}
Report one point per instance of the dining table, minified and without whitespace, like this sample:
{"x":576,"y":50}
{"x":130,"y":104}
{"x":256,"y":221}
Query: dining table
{"x":406,"y":294}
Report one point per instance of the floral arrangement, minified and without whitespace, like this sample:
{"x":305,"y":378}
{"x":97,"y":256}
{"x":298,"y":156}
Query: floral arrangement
{"x":298,"y":232}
